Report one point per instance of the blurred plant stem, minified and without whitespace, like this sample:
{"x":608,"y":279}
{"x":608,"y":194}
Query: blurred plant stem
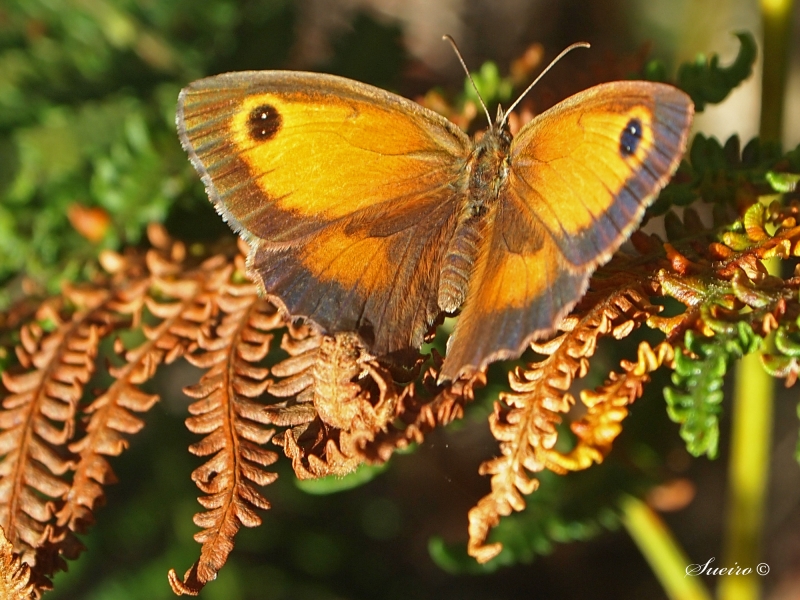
{"x":751,"y":418}
{"x":661,"y":550}
{"x":776,"y":18}
{"x":748,"y":472}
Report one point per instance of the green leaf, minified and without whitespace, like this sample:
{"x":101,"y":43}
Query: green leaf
{"x":655,"y":70}
{"x":782,"y":183}
{"x":695,"y":400}
{"x":706,"y":82}
{"x":492,"y":87}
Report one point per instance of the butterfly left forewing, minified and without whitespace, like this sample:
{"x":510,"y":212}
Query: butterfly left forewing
{"x":282,"y":152}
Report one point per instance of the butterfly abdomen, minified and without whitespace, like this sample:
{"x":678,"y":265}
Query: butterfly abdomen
{"x":484,"y":174}
{"x":458,"y":263}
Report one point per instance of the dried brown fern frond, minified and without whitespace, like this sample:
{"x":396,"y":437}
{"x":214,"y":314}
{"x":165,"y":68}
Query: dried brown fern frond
{"x":38,"y":420}
{"x":524,"y":420}
{"x":607,"y":408}
{"x":420,"y":412}
{"x":183,"y":301}
{"x":235,"y":425}
{"x":48,"y":435}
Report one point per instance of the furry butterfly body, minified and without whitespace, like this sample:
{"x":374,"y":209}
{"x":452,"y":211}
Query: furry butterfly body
{"x":366,"y":212}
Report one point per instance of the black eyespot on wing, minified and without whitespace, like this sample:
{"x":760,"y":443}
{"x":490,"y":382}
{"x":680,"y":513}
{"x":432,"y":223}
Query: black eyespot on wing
{"x":264,"y":122}
{"x":630,"y":137}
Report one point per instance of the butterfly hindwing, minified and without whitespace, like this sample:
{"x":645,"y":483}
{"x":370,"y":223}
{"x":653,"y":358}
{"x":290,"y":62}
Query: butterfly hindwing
{"x":378,"y":281}
{"x":520,"y":284}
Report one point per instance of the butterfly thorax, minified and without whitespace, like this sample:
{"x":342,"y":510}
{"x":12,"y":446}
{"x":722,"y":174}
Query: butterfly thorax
{"x":488,"y":168}
{"x":485,"y":173}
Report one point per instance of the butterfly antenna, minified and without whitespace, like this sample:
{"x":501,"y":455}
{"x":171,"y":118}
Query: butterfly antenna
{"x":472,"y":81}
{"x":565,"y":51}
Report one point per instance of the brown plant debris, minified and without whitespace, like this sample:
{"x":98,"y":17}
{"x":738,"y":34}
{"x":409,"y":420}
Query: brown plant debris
{"x":335,"y":380}
{"x":346,"y":409}
{"x":15,"y":575}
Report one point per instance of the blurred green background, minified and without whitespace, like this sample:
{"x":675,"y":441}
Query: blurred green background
{"x":87,"y":100}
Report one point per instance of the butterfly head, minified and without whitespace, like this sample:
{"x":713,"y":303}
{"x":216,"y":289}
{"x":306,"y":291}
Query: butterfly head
{"x":500,"y":121}
{"x":502,"y":116}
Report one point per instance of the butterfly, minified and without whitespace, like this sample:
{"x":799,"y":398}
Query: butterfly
{"x":366,"y":212}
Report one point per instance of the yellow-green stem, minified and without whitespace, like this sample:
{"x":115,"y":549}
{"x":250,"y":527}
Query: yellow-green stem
{"x":747,"y":478}
{"x":655,"y":542}
{"x":776,"y":18}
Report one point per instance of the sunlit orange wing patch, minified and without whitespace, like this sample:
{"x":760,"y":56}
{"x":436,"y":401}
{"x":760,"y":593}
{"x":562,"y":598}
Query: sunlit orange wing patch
{"x":569,"y":165}
{"x":379,"y":281}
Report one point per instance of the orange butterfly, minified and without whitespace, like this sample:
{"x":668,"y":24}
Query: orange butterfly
{"x":366,"y":212}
